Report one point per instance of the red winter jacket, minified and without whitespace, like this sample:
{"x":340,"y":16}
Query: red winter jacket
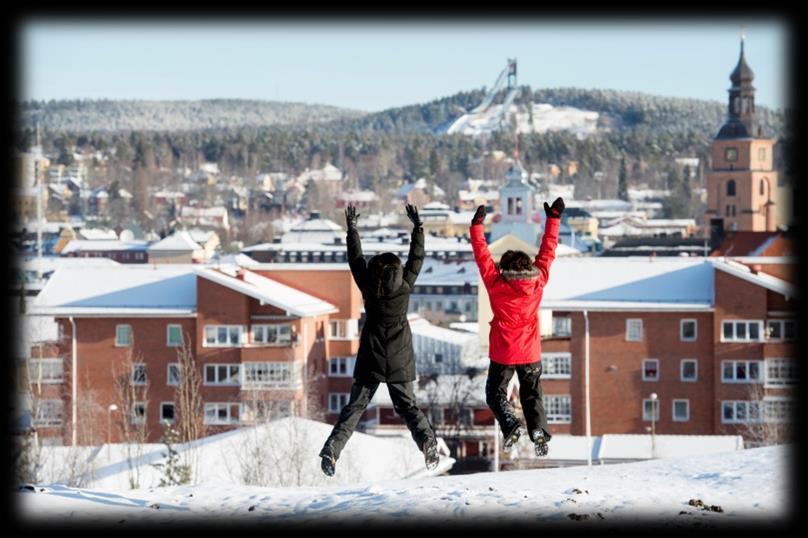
{"x":514,"y":336}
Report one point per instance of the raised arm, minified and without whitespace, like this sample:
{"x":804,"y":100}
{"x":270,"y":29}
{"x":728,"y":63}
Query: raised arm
{"x":415,"y":258}
{"x":549,"y":240}
{"x":482,"y":255}
{"x":356,"y":262}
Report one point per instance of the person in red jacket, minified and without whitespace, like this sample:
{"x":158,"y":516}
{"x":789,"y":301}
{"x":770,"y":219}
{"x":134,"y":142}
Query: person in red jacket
{"x":515,"y":287}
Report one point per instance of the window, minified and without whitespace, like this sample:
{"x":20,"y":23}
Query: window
{"x":272,"y":334}
{"x":223,"y":335}
{"x":222,"y":374}
{"x":337,"y":400}
{"x":742,"y":331}
{"x":344,"y":329}
{"x":265,"y":410}
{"x":436,"y":416}
{"x":761,"y":155}
{"x":341,"y":366}
{"x":518,"y":206}
{"x":138,"y":374}
{"x":438,"y":357}
{"x":174,"y":335}
{"x":741,"y":371}
{"x":781,"y":329}
{"x":562,"y":325}
{"x":556,"y":365}
{"x":558,"y":408}
{"x":650,"y":370}
{"x":510,"y":206}
{"x":634,"y":330}
{"x":167,"y":412}
{"x":269,"y":375}
{"x":687,"y":330}
{"x":762,"y":187}
{"x":221,"y":413}
{"x":173,"y":373}
{"x":780,"y":372}
{"x":731,"y":187}
{"x":46,"y":370}
{"x":138,"y":413}
{"x":731,"y":154}
{"x":740,"y":412}
{"x":778,"y":409}
{"x":681,"y":410}
{"x":650,"y":409}
{"x":689,"y":370}
{"x":123,"y":335}
{"x":48,"y":413}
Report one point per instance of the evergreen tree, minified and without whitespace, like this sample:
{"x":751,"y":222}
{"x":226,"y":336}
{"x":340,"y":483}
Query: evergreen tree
{"x":174,"y":472}
{"x":622,"y":181}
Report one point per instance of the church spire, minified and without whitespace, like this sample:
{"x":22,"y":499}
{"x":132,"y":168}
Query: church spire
{"x":741,"y":116}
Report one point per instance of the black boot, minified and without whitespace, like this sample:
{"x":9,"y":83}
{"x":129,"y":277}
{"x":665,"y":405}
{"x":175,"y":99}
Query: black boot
{"x":329,"y":461}
{"x":540,"y":442}
{"x":512,"y":430}
{"x":430,"y":450}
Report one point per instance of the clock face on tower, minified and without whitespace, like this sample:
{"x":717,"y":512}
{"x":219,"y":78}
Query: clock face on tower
{"x":731,"y":154}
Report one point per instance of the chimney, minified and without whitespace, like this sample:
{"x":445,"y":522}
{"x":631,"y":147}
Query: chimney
{"x":240,"y":273}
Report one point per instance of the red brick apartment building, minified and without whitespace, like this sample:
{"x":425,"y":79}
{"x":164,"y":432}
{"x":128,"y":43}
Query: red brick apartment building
{"x":265,"y":340}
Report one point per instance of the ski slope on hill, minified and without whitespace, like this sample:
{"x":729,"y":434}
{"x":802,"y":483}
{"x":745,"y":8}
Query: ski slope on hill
{"x":751,"y":484}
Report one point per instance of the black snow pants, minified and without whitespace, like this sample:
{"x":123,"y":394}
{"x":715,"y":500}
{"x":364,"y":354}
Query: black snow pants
{"x":530,"y":395}
{"x":403,"y":397}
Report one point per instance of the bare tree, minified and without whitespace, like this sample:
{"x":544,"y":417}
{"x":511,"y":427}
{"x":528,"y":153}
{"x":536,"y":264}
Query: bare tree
{"x":189,"y":408}
{"x":131,"y":392}
{"x":764,"y":424}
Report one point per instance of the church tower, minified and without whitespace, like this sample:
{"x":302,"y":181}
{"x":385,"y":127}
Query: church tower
{"x":742,"y":190}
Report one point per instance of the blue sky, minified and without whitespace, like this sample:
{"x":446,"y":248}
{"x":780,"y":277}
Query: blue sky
{"x":372,"y":66}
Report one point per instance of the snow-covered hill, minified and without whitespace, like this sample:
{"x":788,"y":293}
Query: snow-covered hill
{"x":739,"y":486}
{"x":545,"y":118}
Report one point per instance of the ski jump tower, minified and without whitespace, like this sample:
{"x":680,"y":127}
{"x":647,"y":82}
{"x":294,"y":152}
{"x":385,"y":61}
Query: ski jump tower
{"x":485,"y":117}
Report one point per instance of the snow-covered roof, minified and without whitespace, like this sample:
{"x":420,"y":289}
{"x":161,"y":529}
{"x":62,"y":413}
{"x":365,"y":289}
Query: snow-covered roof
{"x":313,"y":230}
{"x":440,"y":273}
{"x":178,"y":241}
{"x":327,"y":173}
{"x":201,"y":236}
{"x":744,"y":272}
{"x":638,"y":446}
{"x":441,"y":390}
{"x":268,"y":291}
{"x":358,"y":196}
{"x":124,"y":289}
{"x":211,"y":212}
{"x":642,"y":282}
{"x":468,"y":326}
{"x":422,"y":327}
{"x":79,"y":245}
{"x":51,"y":263}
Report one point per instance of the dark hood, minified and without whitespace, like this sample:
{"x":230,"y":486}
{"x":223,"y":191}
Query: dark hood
{"x":388,"y":282}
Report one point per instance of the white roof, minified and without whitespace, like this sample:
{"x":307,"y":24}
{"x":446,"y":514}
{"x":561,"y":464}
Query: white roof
{"x":201,"y":236}
{"x":441,"y":273}
{"x":422,"y":327}
{"x":51,"y":263}
{"x":470,"y":327}
{"x":125,"y":289}
{"x":267,"y":290}
{"x":638,"y":446}
{"x":78,"y":245}
{"x":190,"y":211}
{"x":358,"y":196}
{"x":94,"y":234}
{"x":767,"y":281}
{"x":178,"y":241}
{"x":443,"y":389}
{"x":641,"y":282}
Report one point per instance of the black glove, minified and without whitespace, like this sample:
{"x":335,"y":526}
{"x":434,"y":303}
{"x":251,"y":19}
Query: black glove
{"x":554,"y":211}
{"x":412,"y":214}
{"x":479,"y":216}
{"x":350,"y":216}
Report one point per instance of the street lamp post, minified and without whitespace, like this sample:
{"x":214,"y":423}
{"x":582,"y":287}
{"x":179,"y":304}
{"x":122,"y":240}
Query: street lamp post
{"x":653,"y":423}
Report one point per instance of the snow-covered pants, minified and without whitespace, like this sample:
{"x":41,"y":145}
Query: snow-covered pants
{"x":403,"y":397}
{"x":530,"y":395}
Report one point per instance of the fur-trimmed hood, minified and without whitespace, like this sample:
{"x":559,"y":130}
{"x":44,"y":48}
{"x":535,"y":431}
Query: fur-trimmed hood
{"x":528,"y":274}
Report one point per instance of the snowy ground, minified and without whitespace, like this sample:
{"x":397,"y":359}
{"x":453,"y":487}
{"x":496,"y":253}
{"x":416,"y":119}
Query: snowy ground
{"x":746,"y":484}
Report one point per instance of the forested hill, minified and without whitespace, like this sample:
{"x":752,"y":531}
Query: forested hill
{"x":137,"y":115}
{"x":619,"y":110}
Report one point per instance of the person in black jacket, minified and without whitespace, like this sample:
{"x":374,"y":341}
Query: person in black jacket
{"x":385,"y":346}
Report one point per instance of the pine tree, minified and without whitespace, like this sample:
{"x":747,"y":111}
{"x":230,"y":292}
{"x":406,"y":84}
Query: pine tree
{"x":622,"y":181}
{"x":174,"y":472}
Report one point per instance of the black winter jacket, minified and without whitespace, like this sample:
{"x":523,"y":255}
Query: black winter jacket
{"x":385,"y":345}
